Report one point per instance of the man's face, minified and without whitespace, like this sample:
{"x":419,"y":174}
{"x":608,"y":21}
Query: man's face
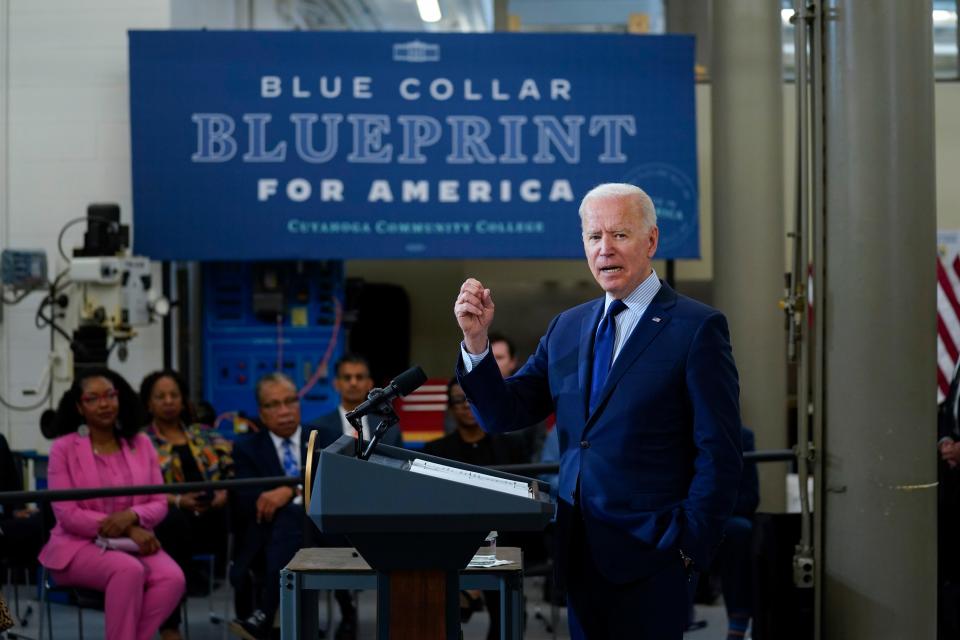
{"x":618,"y":246}
{"x":506,"y":362}
{"x":353,"y":383}
{"x":280,"y":408}
{"x":460,"y":408}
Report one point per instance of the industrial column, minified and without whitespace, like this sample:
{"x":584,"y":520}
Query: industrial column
{"x":878,"y":520}
{"x":748,"y":216}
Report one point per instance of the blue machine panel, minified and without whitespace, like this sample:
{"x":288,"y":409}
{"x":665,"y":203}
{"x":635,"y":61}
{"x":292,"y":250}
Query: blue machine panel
{"x":261,"y":317}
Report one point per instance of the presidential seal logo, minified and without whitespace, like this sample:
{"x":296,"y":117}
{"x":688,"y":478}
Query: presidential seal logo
{"x":674,"y":194}
{"x":416,"y":51}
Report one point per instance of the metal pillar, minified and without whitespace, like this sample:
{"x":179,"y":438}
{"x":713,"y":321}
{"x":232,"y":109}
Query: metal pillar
{"x":878,"y":513}
{"x":748,"y":217}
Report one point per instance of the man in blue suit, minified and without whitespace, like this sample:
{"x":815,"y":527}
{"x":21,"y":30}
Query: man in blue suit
{"x":646,"y":395}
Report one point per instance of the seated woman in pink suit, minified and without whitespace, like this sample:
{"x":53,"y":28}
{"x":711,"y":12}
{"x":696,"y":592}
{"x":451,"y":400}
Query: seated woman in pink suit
{"x":99,"y":445}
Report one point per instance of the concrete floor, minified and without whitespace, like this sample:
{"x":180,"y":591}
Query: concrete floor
{"x":64,"y":618}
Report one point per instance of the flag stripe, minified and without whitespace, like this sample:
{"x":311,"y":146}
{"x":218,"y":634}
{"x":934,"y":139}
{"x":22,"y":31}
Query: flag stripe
{"x":947,"y":339}
{"x":949,"y":289}
{"x":948,"y":322}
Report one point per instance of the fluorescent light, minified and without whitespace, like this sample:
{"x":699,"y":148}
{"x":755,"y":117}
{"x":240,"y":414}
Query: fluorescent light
{"x":429,"y":10}
{"x":942,"y":15}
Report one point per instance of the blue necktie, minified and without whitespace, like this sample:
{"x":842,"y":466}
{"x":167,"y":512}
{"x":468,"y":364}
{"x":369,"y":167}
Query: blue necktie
{"x":290,"y":466}
{"x":603,"y":351}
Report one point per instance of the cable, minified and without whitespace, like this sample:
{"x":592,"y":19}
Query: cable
{"x":17,"y":300}
{"x":324,"y":362}
{"x":31,"y":407}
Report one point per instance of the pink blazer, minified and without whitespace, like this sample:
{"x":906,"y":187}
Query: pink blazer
{"x":72,"y":466}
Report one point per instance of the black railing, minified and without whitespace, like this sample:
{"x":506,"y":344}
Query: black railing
{"x":57,"y":495}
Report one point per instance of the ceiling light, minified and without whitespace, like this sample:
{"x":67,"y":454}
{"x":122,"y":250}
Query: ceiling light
{"x":429,"y":10}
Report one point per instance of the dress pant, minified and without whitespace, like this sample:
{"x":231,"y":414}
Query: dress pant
{"x":139,"y":592}
{"x":735,"y":565}
{"x":653,"y":608}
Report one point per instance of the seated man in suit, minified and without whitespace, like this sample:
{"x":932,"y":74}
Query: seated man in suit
{"x":273,"y":520}
{"x":353,"y":382}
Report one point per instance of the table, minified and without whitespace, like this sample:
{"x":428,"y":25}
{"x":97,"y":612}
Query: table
{"x":315,"y":569}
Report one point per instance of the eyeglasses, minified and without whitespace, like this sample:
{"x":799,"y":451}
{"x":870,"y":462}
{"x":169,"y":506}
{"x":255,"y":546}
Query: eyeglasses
{"x":455,"y":400}
{"x":95,"y":398}
{"x":273,"y":405}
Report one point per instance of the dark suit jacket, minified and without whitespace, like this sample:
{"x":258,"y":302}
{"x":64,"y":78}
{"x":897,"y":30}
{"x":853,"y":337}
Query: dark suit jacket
{"x":658,"y":462}
{"x":254,"y":456}
{"x":329,"y":428}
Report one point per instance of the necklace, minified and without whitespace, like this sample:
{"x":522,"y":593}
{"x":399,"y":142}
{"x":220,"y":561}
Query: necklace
{"x":105,"y":448}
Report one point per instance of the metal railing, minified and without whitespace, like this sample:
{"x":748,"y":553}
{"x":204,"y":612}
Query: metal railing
{"x":57,"y":495}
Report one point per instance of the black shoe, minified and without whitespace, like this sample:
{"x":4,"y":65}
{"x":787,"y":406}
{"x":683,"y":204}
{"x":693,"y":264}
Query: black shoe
{"x":347,"y":629}
{"x":256,"y":627}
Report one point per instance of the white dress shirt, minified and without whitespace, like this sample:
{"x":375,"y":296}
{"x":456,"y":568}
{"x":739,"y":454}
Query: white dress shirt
{"x":294,"y":440}
{"x":348,"y":429}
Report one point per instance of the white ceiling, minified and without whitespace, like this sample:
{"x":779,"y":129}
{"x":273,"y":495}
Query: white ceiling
{"x":392,"y":15}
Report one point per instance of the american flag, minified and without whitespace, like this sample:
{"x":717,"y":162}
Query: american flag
{"x":948,"y":321}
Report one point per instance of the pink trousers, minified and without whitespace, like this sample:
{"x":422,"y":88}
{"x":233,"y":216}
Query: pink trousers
{"x":139,"y":591}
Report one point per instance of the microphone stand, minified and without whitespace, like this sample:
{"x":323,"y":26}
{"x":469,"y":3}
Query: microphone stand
{"x":389,"y":418}
{"x":357,"y":423}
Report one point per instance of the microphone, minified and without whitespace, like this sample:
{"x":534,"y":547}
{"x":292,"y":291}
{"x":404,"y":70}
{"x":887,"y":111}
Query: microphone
{"x":400,"y":386}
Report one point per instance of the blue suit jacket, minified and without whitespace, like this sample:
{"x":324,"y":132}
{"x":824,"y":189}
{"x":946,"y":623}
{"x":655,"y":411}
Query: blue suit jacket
{"x":329,"y":428}
{"x":658,"y":462}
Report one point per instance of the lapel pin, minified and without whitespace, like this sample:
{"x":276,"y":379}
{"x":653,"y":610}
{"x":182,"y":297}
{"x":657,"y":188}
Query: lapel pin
{"x":656,"y":318}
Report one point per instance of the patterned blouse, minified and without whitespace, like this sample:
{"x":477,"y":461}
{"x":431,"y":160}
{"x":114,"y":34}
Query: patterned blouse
{"x":211,"y":451}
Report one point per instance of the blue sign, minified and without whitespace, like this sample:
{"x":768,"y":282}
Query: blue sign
{"x":293,"y":145}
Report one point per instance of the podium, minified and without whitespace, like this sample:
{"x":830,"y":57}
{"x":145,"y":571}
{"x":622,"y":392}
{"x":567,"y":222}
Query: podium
{"x":417,"y":520}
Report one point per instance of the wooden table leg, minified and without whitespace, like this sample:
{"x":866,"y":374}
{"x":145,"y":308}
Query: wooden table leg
{"x":419,"y":605}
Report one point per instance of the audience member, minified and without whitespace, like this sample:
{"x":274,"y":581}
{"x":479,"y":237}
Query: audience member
{"x":472,"y":445}
{"x":273,"y":521}
{"x":195,"y":522}
{"x":99,"y":445}
{"x":21,"y":527}
{"x":353,"y":382}
{"x":948,"y":521}
{"x":733,"y":559}
{"x":505,"y":353}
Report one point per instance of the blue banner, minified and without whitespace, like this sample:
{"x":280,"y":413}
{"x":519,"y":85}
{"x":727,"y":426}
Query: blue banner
{"x":293,"y":145}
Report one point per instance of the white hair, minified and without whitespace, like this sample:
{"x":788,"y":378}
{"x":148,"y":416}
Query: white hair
{"x":648,"y":213}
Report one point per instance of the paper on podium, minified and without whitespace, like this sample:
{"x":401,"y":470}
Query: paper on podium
{"x":472,"y":478}
{"x":487,"y":562}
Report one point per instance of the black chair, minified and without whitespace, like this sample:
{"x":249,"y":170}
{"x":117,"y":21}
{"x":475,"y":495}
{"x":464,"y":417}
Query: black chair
{"x":75,"y":596}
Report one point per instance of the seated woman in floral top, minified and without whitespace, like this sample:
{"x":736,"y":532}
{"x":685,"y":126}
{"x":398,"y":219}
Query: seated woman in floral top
{"x":196,"y":522}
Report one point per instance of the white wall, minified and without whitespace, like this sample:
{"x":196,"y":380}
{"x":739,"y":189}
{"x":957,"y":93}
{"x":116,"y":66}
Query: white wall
{"x":67,"y":124}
